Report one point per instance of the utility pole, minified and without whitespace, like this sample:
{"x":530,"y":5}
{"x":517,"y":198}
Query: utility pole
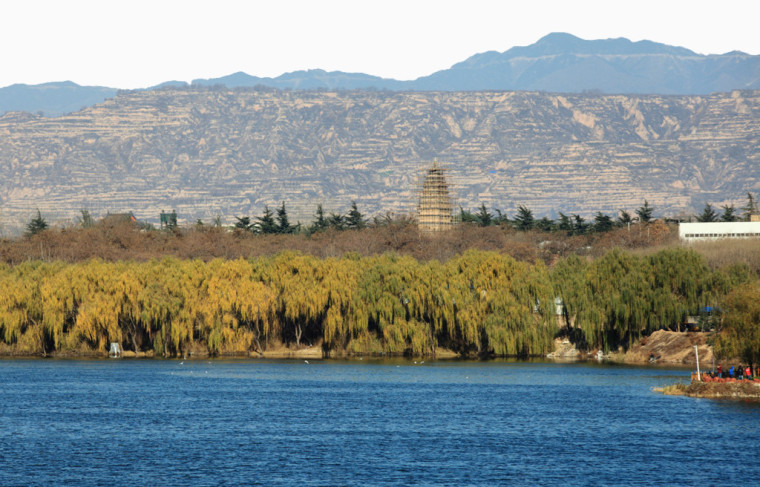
{"x":696,"y":353}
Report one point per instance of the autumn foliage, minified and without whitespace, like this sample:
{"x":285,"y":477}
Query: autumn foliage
{"x":475,"y":303}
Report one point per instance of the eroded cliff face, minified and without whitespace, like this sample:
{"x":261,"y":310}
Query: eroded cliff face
{"x":221,"y":152}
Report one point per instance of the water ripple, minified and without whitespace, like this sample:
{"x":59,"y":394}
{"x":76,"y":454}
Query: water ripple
{"x":363,"y":423}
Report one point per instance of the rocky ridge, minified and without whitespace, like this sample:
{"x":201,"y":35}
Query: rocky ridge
{"x":209,"y":152}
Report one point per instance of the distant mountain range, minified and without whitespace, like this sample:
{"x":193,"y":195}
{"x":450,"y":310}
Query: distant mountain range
{"x":560,"y":63}
{"x":52,"y":99}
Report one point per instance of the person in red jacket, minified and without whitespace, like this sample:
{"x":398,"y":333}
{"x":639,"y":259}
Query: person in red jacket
{"x":747,"y":373}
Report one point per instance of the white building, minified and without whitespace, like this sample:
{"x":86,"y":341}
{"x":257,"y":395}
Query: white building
{"x":690,"y":232}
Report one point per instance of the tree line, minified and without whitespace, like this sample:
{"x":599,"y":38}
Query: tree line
{"x":572,"y":224}
{"x":729,"y":212}
{"x":269,"y":223}
{"x":278,"y":222}
{"x":477,"y":303}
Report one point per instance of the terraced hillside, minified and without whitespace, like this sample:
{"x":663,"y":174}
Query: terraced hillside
{"x":209,"y":152}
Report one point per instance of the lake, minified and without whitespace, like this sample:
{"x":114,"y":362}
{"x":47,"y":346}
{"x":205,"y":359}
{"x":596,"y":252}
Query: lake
{"x":370,"y":422}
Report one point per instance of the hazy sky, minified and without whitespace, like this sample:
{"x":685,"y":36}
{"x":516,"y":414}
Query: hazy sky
{"x":136,"y":43}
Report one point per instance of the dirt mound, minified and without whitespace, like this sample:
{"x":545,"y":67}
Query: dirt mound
{"x":671,"y":347}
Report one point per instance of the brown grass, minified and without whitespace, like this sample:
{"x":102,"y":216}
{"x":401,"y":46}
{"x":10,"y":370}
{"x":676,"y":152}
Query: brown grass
{"x":723,"y":253}
{"x":113,"y":241}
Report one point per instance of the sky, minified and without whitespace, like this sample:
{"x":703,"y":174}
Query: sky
{"x":137,"y":43}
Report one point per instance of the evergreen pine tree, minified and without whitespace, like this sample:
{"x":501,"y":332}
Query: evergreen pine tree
{"x":708,"y":214}
{"x":36,"y":224}
{"x":624,"y":219}
{"x":354,"y":219}
{"x":484,"y":217}
{"x":466,"y":216}
{"x":750,"y":209}
{"x":243,"y":223}
{"x":501,"y":218}
{"x":602,"y":223}
{"x":283,"y":225}
{"x":266,"y":223}
{"x":545,"y":224}
{"x":524,"y":219}
{"x":564,"y":225}
{"x":320,"y":222}
{"x":86,"y":220}
{"x":729,"y":214}
{"x":645,"y":212}
{"x":336,"y":221}
{"x":580,"y":227}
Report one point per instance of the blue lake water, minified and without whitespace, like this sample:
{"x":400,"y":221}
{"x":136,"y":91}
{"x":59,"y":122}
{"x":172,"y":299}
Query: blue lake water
{"x":155,"y":422}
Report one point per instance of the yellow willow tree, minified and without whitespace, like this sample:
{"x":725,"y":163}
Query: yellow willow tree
{"x":138,"y":302}
{"x":137,"y":318}
{"x":346,"y":317}
{"x":38,"y":305}
{"x":49,"y":293}
{"x":303,"y":293}
{"x":21,"y":307}
{"x":167,"y":300}
{"x":479,"y":302}
{"x":233,"y":309}
{"x":394,"y":293}
{"x":97,"y":317}
{"x":605,"y":299}
{"x":440,"y":309}
{"x":316,"y":293}
{"x":501,"y":306}
{"x":62,"y":293}
{"x":521,"y":317}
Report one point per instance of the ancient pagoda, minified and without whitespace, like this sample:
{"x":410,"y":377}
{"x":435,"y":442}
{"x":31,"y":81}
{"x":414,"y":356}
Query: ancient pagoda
{"x":435,"y":209}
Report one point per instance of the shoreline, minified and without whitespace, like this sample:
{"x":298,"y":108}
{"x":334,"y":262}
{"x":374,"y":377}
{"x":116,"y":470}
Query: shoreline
{"x":277,"y":353}
{"x":746,"y":390}
{"x":663,"y":348}
{"x":297,"y":356}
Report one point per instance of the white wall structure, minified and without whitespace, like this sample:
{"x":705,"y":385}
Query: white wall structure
{"x":690,"y":232}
